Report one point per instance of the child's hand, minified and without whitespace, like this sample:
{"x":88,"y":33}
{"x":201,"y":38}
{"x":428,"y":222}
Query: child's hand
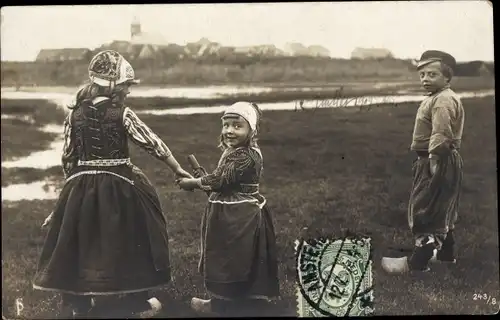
{"x":433,"y":166}
{"x":181,"y":173}
{"x":187,"y":184}
{"x":48,"y":220}
{"x":199,"y":172}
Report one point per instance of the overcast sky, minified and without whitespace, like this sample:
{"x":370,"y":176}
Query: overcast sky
{"x":463,"y":28}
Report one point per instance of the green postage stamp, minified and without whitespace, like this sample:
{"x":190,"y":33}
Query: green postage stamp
{"x":334,"y":277}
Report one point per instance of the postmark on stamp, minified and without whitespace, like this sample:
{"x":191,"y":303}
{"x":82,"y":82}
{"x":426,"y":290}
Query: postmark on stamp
{"x":334,"y":277}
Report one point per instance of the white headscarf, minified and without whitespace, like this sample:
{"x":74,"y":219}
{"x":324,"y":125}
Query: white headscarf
{"x":247,"y":112}
{"x":244,"y":110}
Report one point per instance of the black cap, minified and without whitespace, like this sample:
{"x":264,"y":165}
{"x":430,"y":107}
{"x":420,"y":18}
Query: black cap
{"x":430,"y":56}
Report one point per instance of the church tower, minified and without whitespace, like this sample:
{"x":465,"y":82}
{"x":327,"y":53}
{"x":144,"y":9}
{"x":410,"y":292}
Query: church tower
{"x":135,"y":28}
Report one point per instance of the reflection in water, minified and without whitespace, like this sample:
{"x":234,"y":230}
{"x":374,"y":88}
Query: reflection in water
{"x":41,"y":159}
{"x":24,"y":118}
{"x":60,"y":99}
{"x":43,"y":190}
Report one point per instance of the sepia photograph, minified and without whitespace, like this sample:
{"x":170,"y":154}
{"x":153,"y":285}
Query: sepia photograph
{"x":280,"y":159}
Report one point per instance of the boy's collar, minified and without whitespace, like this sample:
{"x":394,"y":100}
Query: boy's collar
{"x":447,"y":86}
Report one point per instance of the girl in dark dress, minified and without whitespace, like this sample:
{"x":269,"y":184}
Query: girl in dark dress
{"x":238,"y":243}
{"x":108,"y":233}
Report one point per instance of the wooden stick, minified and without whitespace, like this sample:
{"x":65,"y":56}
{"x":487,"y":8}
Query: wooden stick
{"x":195,"y":165}
{"x":193,"y":162}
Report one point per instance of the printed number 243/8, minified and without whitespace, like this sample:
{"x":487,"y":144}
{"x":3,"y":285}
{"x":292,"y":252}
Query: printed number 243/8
{"x":484,"y":296}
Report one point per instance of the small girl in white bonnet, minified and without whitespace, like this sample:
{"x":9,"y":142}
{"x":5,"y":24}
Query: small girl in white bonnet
{"x":238,"y":244}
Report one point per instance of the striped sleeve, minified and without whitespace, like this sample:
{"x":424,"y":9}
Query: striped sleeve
{"x":69,"y":155}
{"x":143,"y":136}
{"x":230,"y":172}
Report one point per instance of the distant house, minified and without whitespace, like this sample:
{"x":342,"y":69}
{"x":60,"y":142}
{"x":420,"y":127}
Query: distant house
{"x":252,"y":51}
{"x":118,"y":45}
{"x":212,"y":48}
{"x":268,"y":50}
{"x":133,"y":50}
{"x":226,"y":52}
{"x":147,"y":52}
{"x":204,"y":41}
{"x":125,"y":48}
{"x":318,"y":51}
{"x":66,"y":54}
{"x":244,"y":50}
{"x":149,"y":38}
{"x":173,"y":50}
{"x":371,"y":53}
{"x":296,"y":49}
{"x":202,"y":47}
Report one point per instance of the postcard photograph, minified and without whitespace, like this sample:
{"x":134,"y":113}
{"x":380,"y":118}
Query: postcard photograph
{"x":294,"y":159}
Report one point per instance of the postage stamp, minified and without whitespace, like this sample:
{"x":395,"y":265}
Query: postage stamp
{"x":334,"y":277}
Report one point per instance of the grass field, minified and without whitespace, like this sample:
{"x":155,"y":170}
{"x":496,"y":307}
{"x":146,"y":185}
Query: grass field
{"x":326,"y":172}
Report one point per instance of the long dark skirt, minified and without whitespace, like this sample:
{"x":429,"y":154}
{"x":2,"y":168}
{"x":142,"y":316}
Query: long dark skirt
{"x":238,"y":259}
{"x":108,"y":236}
{"x":434,"y":199}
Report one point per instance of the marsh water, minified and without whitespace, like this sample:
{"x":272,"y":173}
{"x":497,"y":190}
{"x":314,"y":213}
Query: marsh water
{"x":52,"y":155}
